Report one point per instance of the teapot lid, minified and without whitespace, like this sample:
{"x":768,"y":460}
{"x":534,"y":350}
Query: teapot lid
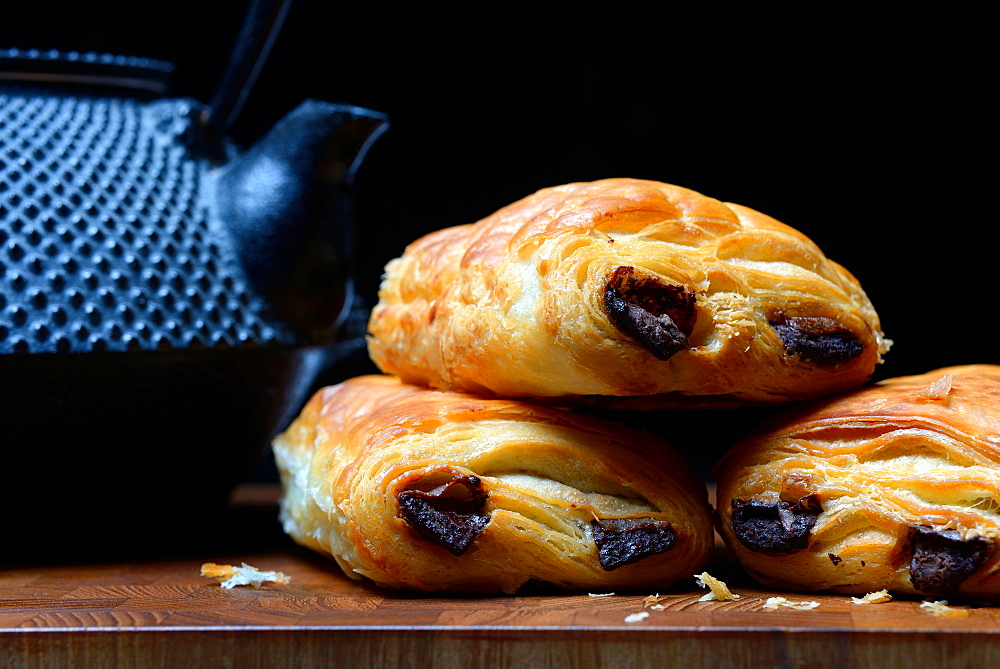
{"x":140,"y":76}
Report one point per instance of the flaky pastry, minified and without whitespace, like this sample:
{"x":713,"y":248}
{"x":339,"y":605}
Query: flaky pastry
{"x":895,"y":486}
{"x":438,"y":491}
{"x":625,"y":288}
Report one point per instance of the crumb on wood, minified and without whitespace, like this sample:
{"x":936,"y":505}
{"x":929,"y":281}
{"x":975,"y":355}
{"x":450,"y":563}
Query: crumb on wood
{"x":650,"y":601}
{"x":942,"y":610}
{"x":718,"y":590}
{"x":230,"y":576}
{"x":879,"y":597}
{"x":774,"y":603}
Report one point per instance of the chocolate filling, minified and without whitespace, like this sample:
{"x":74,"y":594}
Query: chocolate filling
{"x":657,"y":315}
{"x":622,"y":541}
{"x":942,"y":560}
{"x":777,"y":528}
{"x":451,"y":515}
{"x":817,"y":339}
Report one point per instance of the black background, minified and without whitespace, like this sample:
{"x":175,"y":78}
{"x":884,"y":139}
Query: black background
{"x":867,"y":129}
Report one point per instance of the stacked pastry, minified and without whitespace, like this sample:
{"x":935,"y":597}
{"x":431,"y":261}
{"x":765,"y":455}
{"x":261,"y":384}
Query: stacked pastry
{"x":442,"y":491}
{"x":895,"y":486}
{"x":460,"y":469}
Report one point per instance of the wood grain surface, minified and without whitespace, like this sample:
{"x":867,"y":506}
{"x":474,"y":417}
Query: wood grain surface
{"x":158,"y":612}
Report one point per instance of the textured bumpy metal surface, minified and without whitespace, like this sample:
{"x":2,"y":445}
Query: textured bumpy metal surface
{"x":105,"y":242}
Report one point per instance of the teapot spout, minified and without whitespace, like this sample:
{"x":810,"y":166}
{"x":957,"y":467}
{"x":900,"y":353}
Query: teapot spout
{"x":286,"y":204}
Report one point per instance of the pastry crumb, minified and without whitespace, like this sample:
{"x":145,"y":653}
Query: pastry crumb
{"x":940,"y":389}
{"x":773,"y":603}
{"x":873,"y":598}
{"x":718,"y":590}
{"x":636,"y":617}
{"x":650,"y":600}
{"x":230,"y":576}
{"x":942,"y":610}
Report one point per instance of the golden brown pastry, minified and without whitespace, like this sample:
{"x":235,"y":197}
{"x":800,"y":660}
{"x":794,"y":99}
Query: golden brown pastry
{"x":438,"y":491}
{"x":625,"y":288}
{"x":895,"y":486}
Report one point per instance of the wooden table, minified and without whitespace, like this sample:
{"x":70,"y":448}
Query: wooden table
{"x":162,"y":612}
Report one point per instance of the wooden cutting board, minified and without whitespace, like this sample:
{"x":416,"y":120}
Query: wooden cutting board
{"x":162,"y":612}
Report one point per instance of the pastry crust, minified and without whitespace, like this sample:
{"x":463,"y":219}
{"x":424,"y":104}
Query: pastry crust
{"x":372,"y":468}
{"x":625,"y":288}
{"x":895,"y":486}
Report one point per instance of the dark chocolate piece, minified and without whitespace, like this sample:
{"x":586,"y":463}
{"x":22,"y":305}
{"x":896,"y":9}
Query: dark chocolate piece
{"x":817,"y":339}
{"x":451,"y":515}
{"x":776,"y":528}
{"x":622,"y":541}
{"x":942,"y":560}
{"x":835,"y":559}
{"x":657,"y":315}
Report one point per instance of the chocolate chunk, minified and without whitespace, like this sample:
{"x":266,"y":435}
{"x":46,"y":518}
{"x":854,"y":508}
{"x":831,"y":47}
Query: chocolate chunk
{"x":622,"y":541}
{"x":835,"y":559}
{"x":942,"y":559}
{"x":777,"y":528}
{"x":817,"y":339}
{"x":657,"y":315}
{"x":451,"y":515}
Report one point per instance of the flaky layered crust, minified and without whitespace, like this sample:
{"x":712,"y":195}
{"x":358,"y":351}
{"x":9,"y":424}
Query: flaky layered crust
{"x":625,"y":288}
{"x":439,"y":491}
{"x":895,"y":486}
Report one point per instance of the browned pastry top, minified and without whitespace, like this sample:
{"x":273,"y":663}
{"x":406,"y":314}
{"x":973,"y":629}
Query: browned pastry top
{"x":964,"y":399}
{"x":625,"y":288}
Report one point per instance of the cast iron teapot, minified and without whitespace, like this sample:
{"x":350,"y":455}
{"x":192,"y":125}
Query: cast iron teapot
{"x":167,"y":300}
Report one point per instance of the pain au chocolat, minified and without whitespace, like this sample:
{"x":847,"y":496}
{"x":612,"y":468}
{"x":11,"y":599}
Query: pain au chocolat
{"x":438,"y":491}
{"x":895,"y":486}
{"x":625,"y":288}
